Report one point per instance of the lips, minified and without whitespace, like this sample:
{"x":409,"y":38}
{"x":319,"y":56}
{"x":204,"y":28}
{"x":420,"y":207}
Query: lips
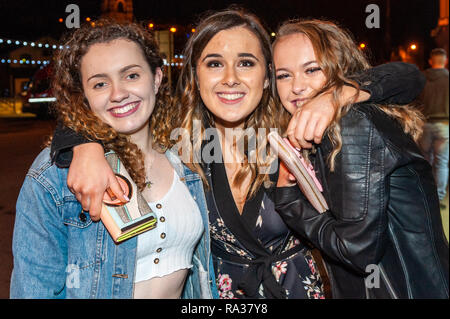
{"x":125,"y":110}
{"x":230,"y":97}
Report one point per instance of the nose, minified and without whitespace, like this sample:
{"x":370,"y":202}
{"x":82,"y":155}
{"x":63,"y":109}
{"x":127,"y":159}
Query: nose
{"x":298,"y":85}
{"x":118,"y":93}
{"x":230,"y":77}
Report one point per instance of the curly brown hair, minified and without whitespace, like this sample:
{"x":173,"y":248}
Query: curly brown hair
{"x":341,"y":60}
{"x":72,"y":108}
{"x":190,"y":106}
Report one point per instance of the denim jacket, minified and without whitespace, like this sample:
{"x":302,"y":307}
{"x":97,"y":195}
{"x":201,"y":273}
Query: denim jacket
{"x":60,"y":253}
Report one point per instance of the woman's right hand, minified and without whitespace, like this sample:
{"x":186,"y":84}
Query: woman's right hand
{"x":90,"y":176}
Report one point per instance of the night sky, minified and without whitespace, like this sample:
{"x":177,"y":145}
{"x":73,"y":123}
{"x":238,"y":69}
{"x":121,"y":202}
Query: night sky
{"x":411,"y":20}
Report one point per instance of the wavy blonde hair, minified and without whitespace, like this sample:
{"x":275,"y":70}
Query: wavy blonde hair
{"x":72,"y":108}
{"x":341,"y":60}
{"x":190,"y":107}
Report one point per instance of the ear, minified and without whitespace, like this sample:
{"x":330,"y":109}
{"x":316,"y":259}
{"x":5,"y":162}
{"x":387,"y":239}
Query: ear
{"x":158,"y":79}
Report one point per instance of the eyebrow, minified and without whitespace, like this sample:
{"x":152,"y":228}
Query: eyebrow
{"x":304,"y":65}
{"x":241,"y":55}
{"x":121,"y":71}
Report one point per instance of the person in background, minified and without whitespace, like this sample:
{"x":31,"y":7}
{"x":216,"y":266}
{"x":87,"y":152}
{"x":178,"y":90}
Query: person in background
{"x":434,"y":141}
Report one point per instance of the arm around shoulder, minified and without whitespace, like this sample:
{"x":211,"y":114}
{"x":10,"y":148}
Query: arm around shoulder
{"x":393,"y":83}
{"x":64,"y":139}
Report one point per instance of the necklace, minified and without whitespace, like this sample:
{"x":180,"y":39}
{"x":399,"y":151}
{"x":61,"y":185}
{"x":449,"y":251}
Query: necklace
{"x":148,"y":183}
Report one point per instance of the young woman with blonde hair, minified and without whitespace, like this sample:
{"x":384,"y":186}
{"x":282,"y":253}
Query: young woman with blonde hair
{"x":382,"y":236}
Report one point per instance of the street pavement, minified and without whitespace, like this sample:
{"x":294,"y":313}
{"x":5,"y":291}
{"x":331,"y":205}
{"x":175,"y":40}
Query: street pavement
{"x":21,"y":140}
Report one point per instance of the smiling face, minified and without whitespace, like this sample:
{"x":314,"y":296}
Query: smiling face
{"x":298,"y":74}
{"x":119,"y":84}
{"x":231,"y":74}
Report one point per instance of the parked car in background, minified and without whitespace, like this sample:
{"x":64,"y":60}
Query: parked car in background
{"x":37,"y":95}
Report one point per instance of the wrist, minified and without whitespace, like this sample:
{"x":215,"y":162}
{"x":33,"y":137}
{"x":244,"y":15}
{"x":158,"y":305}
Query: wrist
{"x":92,"y":148}
{"x":352,"y":95}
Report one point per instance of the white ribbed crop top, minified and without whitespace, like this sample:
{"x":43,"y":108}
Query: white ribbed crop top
{"x":169,"y":247}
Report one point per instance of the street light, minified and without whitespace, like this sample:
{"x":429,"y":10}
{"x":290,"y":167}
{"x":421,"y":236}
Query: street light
{"x":173,"y":29}
{"x":151,"y":25}
{"x":413,"y":47}
{"x":362,"y":45}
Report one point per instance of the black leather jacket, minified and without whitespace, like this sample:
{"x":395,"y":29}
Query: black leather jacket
{"x":384,"y":212}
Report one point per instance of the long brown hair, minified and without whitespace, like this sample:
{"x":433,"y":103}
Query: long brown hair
{"x":341,"y":60}
{"x":190,"y":106}
{"x":72,"y":107}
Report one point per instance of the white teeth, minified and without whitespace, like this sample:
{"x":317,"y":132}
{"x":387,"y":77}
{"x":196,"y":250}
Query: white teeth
{"x":125,"y":109}
{"x":231,"y":97}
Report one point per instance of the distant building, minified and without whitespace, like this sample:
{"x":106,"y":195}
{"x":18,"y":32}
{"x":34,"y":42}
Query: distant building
{"x":119,"y":10}
{"x":122,"y":11}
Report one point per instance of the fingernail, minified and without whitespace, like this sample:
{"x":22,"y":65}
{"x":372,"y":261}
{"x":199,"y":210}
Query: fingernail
{"x":126,"y":197}
{"x":111,"y":194}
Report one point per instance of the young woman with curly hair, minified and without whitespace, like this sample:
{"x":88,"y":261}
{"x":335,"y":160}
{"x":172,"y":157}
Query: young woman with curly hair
{"x":108,"y":86}
{"x":382,"y":236}
{"x":224,"y":97}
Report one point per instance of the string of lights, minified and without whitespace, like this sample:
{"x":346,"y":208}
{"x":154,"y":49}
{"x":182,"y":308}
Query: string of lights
{"x":24,"y":61}
{"x":54,"y":47}
{"x":6,"y":41}
{"x":30,"y":43}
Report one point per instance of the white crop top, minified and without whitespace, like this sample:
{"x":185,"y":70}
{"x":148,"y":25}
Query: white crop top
{"x":170,"y":246}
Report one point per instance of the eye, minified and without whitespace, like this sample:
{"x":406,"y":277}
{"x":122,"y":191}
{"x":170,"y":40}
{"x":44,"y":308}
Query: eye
{"x":313,"y":70}
{"x":246,"y":63}
{"x":213,"y":64}
{"x":282,"y":76}
{"x":133,"y":76}
{"x":99,"y":85}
